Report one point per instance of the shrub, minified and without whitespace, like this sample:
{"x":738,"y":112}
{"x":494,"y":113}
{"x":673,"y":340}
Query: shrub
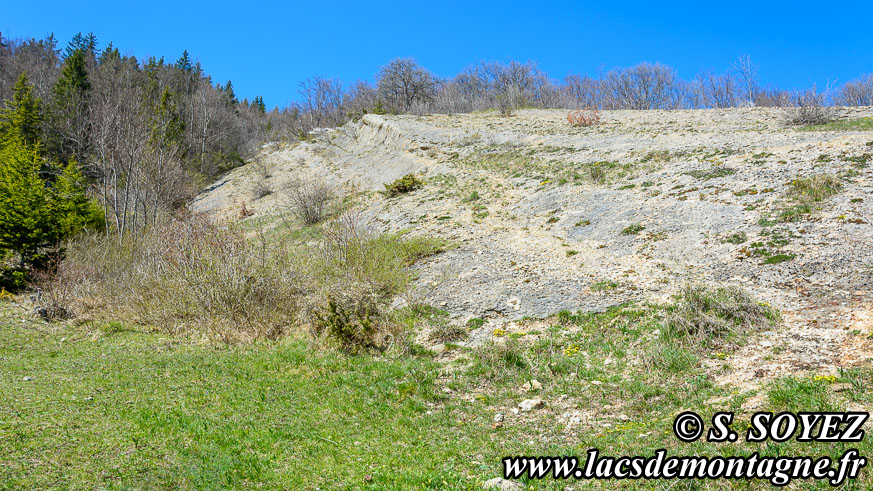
{"x":198,"y":279}
{"x":361,"y":272}
{"x":53,"y":300}
{"x":353,"y":326}
{"x":708,"y":315}
{"x":261,"y":190}
{"x":405,"y":184}
{"x":633,"y":229}
{"x":809,"y":109}
{"x":597,"y":172}
{"x":185,"y":278}
{"x":309,"y":200}
{"x":584,"y":118}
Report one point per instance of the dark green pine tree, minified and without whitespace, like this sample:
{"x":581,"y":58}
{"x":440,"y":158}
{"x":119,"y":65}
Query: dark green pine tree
{"x":109,"y":53}
{"x":75,"y":44}
{"x":21,"y":115}
{"x":89,"y":44}
{"x":167,"y":126}
{"x":184,"y":62}
{"x":70,"y":115}
{"x":228,"y":92}
{"x":259,"y":103}
{"x":74,"y":77}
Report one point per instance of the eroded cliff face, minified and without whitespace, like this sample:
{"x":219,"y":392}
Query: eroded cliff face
{"x":546,"y":217}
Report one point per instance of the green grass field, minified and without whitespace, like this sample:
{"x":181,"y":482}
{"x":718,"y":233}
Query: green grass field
{"x":864,"y":124}
{"x":113,"y":407}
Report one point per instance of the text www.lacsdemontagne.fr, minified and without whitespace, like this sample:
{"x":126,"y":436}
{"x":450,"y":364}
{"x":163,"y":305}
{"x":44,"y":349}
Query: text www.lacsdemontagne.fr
{"x":779,"y":471}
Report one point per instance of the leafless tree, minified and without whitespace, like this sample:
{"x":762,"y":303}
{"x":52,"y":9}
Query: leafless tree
{"x":403,"y":82}
{"x":773,"y":97}
{"x":360,"y":99}
{"x":718,"y":91}
{"x":644,"y":86}
{"x":856,"y":92}
{"x":515,"y":84}
{"x":584,"y":90}
{"x":322,"y":101}
{"x":748,"y":72}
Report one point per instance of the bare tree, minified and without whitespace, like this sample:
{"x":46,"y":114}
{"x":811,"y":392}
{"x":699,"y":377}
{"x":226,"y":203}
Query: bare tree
{"x":583,"y":89}
{"x":403,"y":82}
{"x":322,"y":101}
{"x":644,"y":86}
{"x":856,"y":92}
{"x":748,"y":72}
{"x":515,"y":84}
{"x":360,"y":99}
{"x":717,"y":91}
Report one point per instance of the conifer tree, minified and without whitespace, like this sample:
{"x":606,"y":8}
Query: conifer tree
{"x":228,"y":92}
{"x":21,"y":115}
{"x":89,"y":45}
{"x":35,"y":216}
{"x":259,"y":103}
{"x":167,"y":125}
{"x":184,"y":62}
{"x":78,"y":43}
{"x":24,"y":217}
{"x":71,"y":93}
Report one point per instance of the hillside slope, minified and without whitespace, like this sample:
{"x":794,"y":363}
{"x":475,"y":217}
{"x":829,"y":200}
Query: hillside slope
{"x":547,"y":217}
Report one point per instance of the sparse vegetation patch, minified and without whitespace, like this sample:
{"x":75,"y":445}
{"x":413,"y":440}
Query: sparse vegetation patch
{"x":405,"y":184}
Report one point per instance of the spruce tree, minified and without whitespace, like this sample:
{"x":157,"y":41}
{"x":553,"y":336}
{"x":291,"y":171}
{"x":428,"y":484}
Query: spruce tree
{"x":75,"y":44}
{"x":229,"y":94}
{"x":21,"y":115}
{"x":70,"y":113}
{"x":70,"y":209}
{"x":36,"y":216}
{"x":89,"y":45}
{"x":167,"y":126}
{"x":184,"y":62}
{"x":25,"y":223}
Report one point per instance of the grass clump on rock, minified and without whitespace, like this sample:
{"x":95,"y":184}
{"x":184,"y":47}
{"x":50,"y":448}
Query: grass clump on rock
{"x":405,"y":184}
{"x":717,"y":315}
{"x":816,"y":188}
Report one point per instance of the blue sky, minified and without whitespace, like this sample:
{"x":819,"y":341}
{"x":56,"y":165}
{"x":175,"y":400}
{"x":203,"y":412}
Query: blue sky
{"x":267,"y":48}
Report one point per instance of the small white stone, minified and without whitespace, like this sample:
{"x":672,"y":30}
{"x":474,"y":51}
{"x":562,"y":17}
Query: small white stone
{"x":528,"y":405}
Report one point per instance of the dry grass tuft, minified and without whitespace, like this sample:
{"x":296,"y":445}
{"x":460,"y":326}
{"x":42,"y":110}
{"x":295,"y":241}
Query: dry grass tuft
{"x":715,"y":315}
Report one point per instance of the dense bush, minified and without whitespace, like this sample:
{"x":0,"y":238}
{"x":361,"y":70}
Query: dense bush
{"x":405,"y":184}
{"x":583,"y":118}
{"x":195,"y":278}
{"x":184,"y":278}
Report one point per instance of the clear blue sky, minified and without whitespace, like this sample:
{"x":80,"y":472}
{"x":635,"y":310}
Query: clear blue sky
{"x":267,"y":48}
